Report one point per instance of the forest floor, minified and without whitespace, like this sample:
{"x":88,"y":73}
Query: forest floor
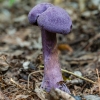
{"x":21,"y":60}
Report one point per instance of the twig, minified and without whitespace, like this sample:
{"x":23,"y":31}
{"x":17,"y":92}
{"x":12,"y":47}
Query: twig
{"x":88,"y":59}
{"x":86,"y":79}
{"x":19,"y":85}
{"x":66,"y":71}
{"x":16,"y":83}
{"x":31,"y":74}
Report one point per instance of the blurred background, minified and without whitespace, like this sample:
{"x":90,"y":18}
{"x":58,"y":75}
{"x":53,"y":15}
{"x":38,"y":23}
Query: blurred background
{"x":20,"y":42}
{"x":16,"y":33}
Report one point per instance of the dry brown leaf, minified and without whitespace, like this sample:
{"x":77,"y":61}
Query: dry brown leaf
{"x":65,"y":47}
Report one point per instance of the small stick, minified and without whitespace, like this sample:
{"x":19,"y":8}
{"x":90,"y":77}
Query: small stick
{"x":66,"y":71}
{"x":17,"y":84}
{"x":89,"y":59}
{"x":83,"y":78}
{"x":31,"y":74}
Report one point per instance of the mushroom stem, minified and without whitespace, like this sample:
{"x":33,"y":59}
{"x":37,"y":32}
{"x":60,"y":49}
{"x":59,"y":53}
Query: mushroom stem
{"x":52,"y":70}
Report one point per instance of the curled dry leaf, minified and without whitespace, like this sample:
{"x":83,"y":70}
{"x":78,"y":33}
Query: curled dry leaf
{"x":65,"y":47}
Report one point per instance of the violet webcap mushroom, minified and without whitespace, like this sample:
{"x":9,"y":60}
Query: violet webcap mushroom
{"x":51,"y":19}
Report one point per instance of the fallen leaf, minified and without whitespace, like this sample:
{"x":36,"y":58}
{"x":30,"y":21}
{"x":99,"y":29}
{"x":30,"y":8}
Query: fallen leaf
{"x":65,"y":47}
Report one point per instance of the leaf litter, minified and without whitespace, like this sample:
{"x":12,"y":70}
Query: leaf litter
{"x":21,"y":51}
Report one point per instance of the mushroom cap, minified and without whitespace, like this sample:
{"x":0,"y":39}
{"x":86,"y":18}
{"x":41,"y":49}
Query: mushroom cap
{"x":36,"y":11}
{"x":51,"y":18}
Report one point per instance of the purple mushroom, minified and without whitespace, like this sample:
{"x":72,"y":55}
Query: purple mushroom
{"x":51,"y":19}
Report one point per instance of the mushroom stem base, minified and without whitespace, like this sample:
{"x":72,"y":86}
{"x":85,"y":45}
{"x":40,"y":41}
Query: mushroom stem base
{"x":52,"y":70}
